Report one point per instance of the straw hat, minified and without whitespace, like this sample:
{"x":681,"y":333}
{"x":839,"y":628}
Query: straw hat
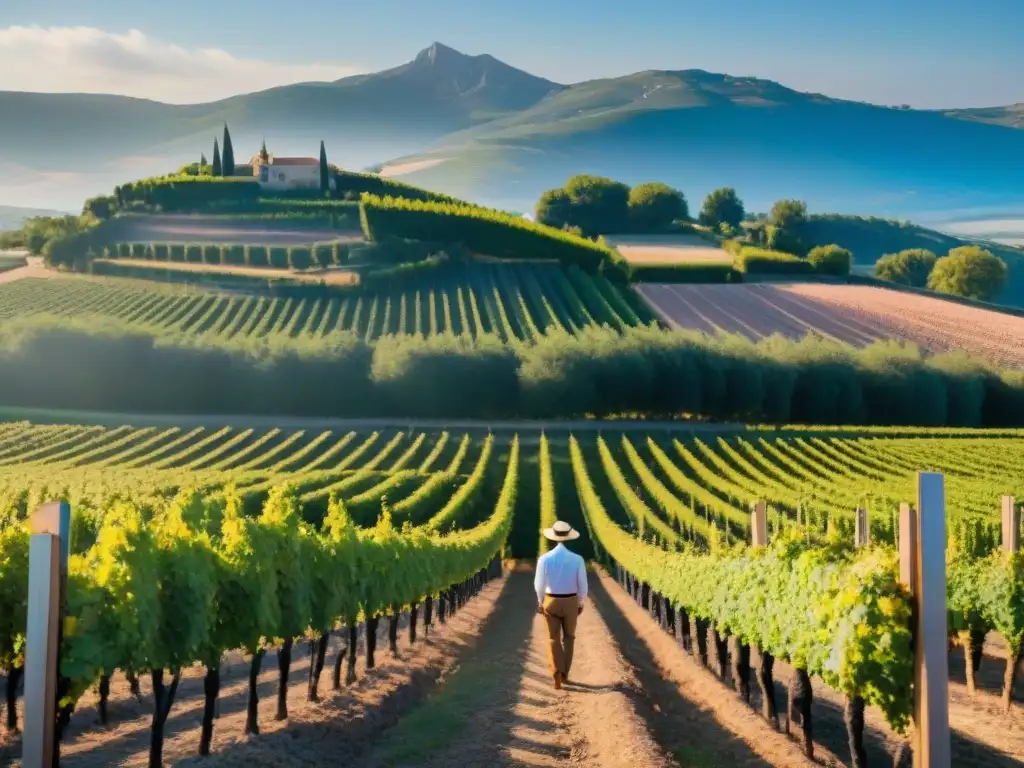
{"x":561,"y":532}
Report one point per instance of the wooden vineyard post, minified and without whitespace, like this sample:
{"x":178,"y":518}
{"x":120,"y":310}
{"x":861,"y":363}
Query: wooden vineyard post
{"x":923,"y":570}
{"x":759,"y":525}
{"x":765,"y":670}
{"x":862,"y":533}
{"x":47,"y":573}
{"x":853,"y":714}
{"x":1011,"y":525}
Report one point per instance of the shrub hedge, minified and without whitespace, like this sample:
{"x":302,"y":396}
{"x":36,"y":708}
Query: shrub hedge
{"x":686,"y":272}
{"x":188,"y":193}
{"x":599,"y":372}
{"x":214,"y":254}
{"x":761,"y":261}
{"x":235,"y":255}
{"x":485,"y":231}
{"x":300,"y":257}
{"x":257,"y":256}
{"x":323,"y":254}
{"x":278,"y":257}
{"x":296,"y":257}
{"x":830,"y":260}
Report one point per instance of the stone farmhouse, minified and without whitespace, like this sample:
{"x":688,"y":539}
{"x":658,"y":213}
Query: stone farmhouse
{"x":286,"y":172}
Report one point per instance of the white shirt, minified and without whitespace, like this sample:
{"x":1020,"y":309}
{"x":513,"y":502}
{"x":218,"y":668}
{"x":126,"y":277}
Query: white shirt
{"x":560,"y":572}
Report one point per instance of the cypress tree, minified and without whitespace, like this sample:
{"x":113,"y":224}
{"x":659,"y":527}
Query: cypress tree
{"x":202,"y":159}
{"x":325,"y":183}
{"x":228,"y":156}
{"x":217,"y":170}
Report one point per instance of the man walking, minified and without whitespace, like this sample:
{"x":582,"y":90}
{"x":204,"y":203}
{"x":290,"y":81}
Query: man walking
{"x":561,"y":586}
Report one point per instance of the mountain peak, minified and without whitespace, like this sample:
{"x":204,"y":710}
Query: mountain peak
{"x":440,"y":52}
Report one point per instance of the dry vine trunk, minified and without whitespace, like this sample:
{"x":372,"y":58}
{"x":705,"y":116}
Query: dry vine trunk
{"x":1013,"y":661}
{"x":853,"y":716}
{"x":252,"y":725}
{"x":801,"y":696}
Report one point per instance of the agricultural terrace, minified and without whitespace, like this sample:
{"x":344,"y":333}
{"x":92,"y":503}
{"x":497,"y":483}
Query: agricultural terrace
{"x":512,"y":301}
{"x":663,"y":506}
{"x":854,"y":314}
{"x":181,"y":229}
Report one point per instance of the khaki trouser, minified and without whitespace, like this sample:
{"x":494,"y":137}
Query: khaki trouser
{"x":561,"y":614}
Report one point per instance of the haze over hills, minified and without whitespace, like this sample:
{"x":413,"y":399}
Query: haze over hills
{"x":12,"y":216}
{"x":57,"y":149}
{"x":476,"y":127}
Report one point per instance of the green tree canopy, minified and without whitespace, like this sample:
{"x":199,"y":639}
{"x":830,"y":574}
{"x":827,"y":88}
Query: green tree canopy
{"x":969,"y":271}
{"x":831,"y":259}
{"x":908,"y":267}
{"x":653,"y":206}
{"x":789,"y":214}
{"x":722,"y":206}
{"x":785,"y":229}
{"x":595,"y":204}
{"x":554,"y":208}
{"x":102,"y":206}
{"x":598,"y":203}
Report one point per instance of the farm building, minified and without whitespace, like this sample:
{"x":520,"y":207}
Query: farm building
{"x":285,"y":172}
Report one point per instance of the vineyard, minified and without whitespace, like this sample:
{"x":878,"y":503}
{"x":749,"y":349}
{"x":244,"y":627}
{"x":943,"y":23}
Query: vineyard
{"x":268,"y":536}
{"x":519,"y":301}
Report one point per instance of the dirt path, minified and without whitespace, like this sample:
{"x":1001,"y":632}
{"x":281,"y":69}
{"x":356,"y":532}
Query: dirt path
{"x":222,"y":229}
{"x":34,"y":268}
{"x":329,"y":276}
{"x":501,"y":709}
{"x":701,"y":721}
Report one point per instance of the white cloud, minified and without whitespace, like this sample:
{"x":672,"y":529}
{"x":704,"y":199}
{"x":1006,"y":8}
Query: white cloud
{"x":87,"y":60}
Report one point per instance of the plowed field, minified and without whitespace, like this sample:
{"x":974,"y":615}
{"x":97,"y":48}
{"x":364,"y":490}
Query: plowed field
{"x":667,"y":249}
{"x":854,"y":314}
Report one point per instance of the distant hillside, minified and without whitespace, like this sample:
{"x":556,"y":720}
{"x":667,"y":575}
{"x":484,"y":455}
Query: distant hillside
{"x":97,"y":141}
{"x":481,"y":129}
{"x":870,"y":237}
{"x":1011,"y":115}
{"x":12,"y":216}
{"x":699,"y":130}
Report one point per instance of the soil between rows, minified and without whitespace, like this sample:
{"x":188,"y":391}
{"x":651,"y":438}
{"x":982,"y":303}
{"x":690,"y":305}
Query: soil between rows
{"x":330,"y":733}
{"x":478,"y":693}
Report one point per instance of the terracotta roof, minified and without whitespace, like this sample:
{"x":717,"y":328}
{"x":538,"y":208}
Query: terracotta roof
{"x":294,"y":161}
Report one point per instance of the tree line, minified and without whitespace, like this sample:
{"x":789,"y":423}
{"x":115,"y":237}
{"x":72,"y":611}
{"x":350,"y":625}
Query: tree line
{"x":969,"y":271}
{"x":597,"y":205}
{"x":644,"y":372}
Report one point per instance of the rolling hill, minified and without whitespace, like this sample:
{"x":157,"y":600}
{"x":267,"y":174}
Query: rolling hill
{"x":479,"y":128}
{"x":698,"y":130}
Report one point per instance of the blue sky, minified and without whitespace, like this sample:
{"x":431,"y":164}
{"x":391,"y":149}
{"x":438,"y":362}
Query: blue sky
{"x":927,"y":53}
